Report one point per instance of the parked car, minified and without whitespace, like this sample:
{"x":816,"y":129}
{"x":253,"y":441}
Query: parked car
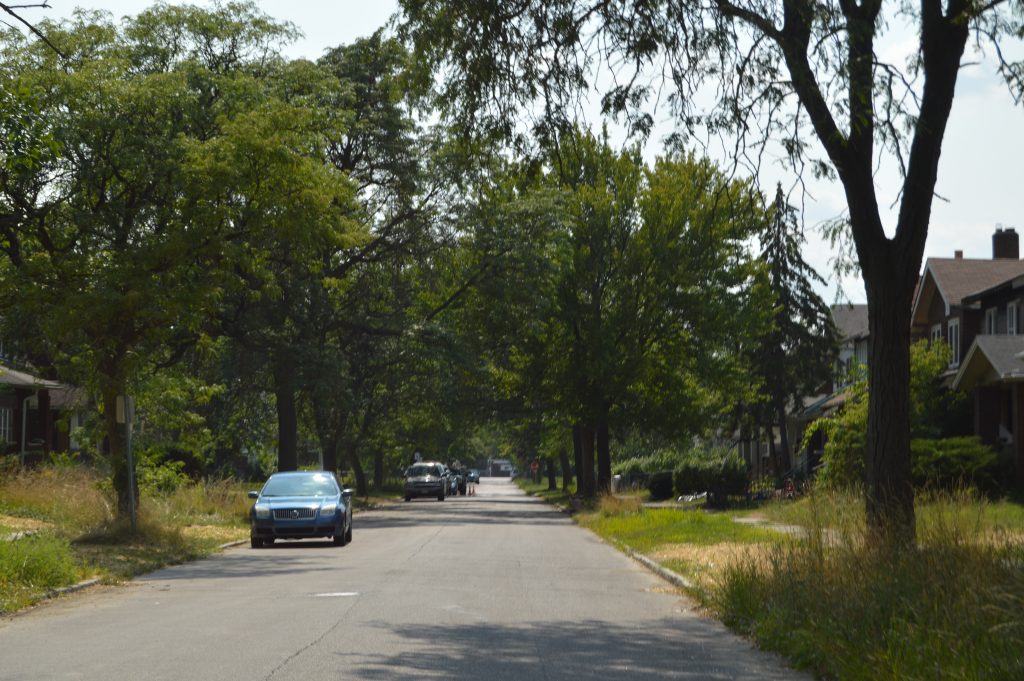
{"x":426,"y":479}
{"x":300,"y":504}
{"x":473,"y":475}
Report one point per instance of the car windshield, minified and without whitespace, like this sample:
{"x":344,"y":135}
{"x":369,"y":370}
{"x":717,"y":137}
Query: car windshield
{"x":421,"y":470}
{"x":318,"y":485}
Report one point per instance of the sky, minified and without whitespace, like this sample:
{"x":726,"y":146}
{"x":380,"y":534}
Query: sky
{"x":980,"y":176}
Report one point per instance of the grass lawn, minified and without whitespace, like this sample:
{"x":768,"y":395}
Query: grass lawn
{"x":951,"y":608}
{"x":558,"y":497}
{"x":76,"y":536}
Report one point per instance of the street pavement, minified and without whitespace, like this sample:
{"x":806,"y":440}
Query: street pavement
{"x":494,"y":586}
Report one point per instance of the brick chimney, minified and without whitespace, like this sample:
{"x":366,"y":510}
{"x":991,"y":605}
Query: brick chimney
{"x":959,"y":255}
{"x":1005,"y":244}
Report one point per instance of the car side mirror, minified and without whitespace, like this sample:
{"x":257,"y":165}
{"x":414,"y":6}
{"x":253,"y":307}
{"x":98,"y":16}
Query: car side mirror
{"x":347,"y":493}
{"x":253,"y":495}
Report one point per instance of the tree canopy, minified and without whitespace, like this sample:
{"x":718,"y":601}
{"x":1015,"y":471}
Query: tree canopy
{"x":808,"y":75}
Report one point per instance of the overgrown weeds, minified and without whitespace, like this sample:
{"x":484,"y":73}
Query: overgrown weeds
{"x":78,"y":535}
{"x":34,"y":565}
{"x":951,"y":608}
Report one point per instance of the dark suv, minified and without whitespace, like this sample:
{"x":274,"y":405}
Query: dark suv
{"x":426,"y":479}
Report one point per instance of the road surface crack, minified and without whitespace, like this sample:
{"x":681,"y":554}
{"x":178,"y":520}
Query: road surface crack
{"x":301,"y":650}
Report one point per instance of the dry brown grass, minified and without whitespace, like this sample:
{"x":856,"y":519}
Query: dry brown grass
{"x":217,"y":533}
{"x":610,"y":505}
{"x":21,"y":524}
{"x":707,"y":564}
{"x":71,"y":497}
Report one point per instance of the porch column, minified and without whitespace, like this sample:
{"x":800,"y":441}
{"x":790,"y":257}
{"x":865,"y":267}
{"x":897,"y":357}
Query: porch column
{"x":1018,"y":422}
{"x":45,"y":419}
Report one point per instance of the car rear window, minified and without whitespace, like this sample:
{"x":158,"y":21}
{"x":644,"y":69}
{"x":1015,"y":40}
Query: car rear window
{"x":421,"y":470}
{"x":301,"y":486}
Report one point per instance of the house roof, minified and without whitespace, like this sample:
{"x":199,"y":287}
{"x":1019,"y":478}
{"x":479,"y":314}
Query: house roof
{"x":20,"y":379}
{"x":851,"y":320}
{"x":954,"y":279}
{"x":991,"y":359}
{"x":62,"y":395}
{"x":1008,"y":285}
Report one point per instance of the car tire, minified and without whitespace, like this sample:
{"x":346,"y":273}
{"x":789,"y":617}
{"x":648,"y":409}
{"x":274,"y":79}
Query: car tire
{"x":255,"y":543}
{"x":440,"y":497}
{"x":408,"y":498}
{"x":348,"y":533}
{"x":340,"y":539}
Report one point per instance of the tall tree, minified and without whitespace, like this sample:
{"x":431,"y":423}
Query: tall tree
{"x":797,"y":354}
{"x":615,"y":293}
{"x":769,"y":68}
{"x":169,"y":157}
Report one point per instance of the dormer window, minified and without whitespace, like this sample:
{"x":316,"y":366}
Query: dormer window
{"x":990,"y":321}
{"x":936,"y":334}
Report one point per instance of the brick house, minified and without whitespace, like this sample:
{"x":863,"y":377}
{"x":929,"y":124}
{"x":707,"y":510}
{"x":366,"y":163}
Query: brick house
{"x":30,"y":410}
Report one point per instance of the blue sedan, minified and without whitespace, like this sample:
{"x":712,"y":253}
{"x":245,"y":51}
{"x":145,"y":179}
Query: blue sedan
{"x":301,"y":504}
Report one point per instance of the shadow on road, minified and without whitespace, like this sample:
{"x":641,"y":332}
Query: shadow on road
{"x":683,"y":648}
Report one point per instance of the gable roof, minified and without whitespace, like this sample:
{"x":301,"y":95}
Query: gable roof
{"x":1008,"y":285}
{"x":954,"y":279}
{"x":992,"y":359}
{"x":851,"y":321}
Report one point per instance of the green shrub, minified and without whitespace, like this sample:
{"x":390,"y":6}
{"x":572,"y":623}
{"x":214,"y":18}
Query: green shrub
{"x":953,"y":462}
{"x":163,"y":477}
{"x":660,"y":485}
{"x":636,"y":466}
{"x":719,"y":472}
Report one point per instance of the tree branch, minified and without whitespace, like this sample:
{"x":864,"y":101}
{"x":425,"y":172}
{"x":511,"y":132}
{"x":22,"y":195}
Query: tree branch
{"x":9,"y":9}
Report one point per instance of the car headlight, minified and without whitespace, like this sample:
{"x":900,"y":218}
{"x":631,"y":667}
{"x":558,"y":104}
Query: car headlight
{"x":328,"y":509}
{"x":262,"y":511}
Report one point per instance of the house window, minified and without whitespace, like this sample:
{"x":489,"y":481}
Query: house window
{"x":1011,"y":318}
{"x":936,"y":333}
{"x":6,"y":433}
{"x":953,"y":336}
{"x":990,"y":321}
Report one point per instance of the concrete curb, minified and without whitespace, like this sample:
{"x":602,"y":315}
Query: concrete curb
{"x":229,"y":544}
{"x":668,"y":575}
{"x":53,"y":593}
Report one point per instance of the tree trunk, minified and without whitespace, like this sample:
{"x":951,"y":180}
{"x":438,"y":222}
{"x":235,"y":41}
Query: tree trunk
{"x":357,"y":469}
{"x":552,"y":485}
{"x":604,"y":460}
{"x":563,"y":456}
{"x":577,"y":454}
{"x":287,"y":421}
{"x":586,"y":475}
{"x":378,"y":469}
{"x":890,"y":489}
{"x":120,"y":473}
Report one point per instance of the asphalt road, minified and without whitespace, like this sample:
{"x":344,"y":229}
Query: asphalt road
{"x":495,"y":586}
